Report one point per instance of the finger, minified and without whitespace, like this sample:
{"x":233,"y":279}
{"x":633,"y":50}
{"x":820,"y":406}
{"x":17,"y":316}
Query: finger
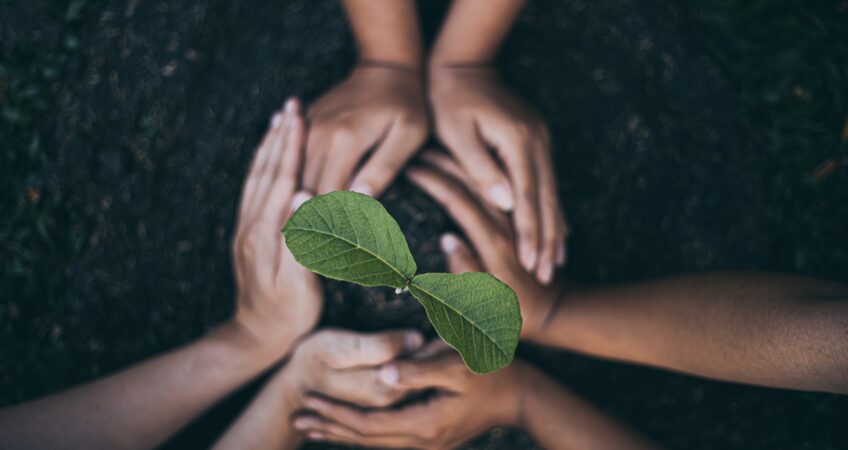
{"x":387,"y":160}
{"x":468,"y":214}
{"x":363,"y":386}
{"x":275,"y":155}
{"x":285,"y":180}
{"x":548,"y":215}
{"x":476,"y":160}
{"x":260,"y":158}
{"x":320,"y":429}
{"x":318,"y":142}
{"x":346,"y":349}
{"x":444,"y":370}
{"x":562,"y":241}
{"x":459,"y":256}
{"x":343,"y":156}
{"x":289,"y":264}
{"x":404,"y":421}
{"x":432,"y":348}
{"x":518,"y":159}
{"x":445,"y":164}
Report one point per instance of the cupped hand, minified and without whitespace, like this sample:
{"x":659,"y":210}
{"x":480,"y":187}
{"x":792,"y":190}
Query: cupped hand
{"x":490,"y":234}
{"x":278,"y":300}
{"x":365,"y":129}
{"x":476,"y":115}
{"x":347,"y":365}
{"x":463,"y":406}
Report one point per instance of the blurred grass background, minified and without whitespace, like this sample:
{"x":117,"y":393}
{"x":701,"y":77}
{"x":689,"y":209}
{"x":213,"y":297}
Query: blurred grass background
{"x":698,"y":135}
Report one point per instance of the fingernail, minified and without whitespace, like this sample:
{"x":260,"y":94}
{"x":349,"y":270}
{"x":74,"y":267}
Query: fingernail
{"x":362,"y":188}
{"x":389,"y":374}
{"x":528,"y":257}
{"x":501,"y":195}
{"x":413,"y":341}
{"x":546,"y":271}
{"x":315,"y":436}
{"x":449,"y":243}
{"x":560,"y":255}
{"x":291,"y":105}
{"x":299,"y":199}
{"x":302,"y":423}
{"x":276,"y":120}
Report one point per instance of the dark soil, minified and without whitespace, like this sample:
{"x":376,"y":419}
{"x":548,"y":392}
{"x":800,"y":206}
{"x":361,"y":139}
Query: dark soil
{"x":690,"y":136}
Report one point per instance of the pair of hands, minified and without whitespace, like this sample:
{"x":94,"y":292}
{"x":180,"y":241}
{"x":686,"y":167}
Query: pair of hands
{"x":365,"y":130}
{"x":279,"y":302}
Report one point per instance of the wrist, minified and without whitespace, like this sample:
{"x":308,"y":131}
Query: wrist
{"x":445,"y":77}
{"x":263,"y":340}
{"x":532,"y":384}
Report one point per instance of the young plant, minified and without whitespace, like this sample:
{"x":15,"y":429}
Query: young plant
{"x":351,"y":237}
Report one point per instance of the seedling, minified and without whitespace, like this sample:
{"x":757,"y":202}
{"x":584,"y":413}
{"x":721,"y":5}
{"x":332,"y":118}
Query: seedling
{"x":350,"y":237}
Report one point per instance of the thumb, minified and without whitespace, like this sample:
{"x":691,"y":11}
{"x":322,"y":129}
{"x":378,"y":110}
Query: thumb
{"x":349,"y":349}
{"x":459,"y":256}
{"x":442,"y":371}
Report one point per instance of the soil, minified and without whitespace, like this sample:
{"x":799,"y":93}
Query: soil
{"x":689,"y":136}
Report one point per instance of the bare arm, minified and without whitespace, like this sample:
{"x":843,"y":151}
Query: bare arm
{"x":773,"y":330}
{"x":386,"y":30}
{"x":278,"y":301}
{"x":557,"y":419}
{"x":474,"y":30}
{"x":141,"y":406}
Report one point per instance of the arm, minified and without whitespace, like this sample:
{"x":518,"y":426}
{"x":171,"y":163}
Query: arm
{"x":557,"y":419}
{"x":500,"y":142}
{"x":774,"y":330}
{"x":278,"y":301}
{"x":380,"y":106}
{"x":141,"y":406}
{"x":473,"y":31}
{"x":465,"y":405}
{"x":386,"y":31}
{"x":340,"y":363}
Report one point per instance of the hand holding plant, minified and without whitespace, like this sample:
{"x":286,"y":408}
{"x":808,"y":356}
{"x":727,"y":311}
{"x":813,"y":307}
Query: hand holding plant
{"x":342,"y":364}
{"x":278,"y":301}
{"x":476,"y":115}
{"x":490,"y":235}
{"x":375,"y":119}
{"x":463,"y":406}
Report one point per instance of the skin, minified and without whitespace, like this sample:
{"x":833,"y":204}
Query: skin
{"x":340,"y":363}
{"x":500,"y":141}
{"x":365,"y":129}
{"x":128,"y":411}
{"x":765,"y":329}
{"x":517,"y":395}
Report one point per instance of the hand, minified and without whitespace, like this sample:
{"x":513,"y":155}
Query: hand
{"x":464,"y":406}
{"x":346,"y":365}
{"x":341,"y":363}
{"x":474,"y":113}
{"x":489,"y":232}
{"x":278,"y":300}
{"x":376,"y":107}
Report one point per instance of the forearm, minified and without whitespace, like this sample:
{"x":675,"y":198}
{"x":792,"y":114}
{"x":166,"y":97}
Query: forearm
{"x":141,"y":406}
{"x":386,"y":31}
{"x":473,"y":31}
{"x":557,"y":419}
{"x":774,"y":330}
{"x":265,"y":423}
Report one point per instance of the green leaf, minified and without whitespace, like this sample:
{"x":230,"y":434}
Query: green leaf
{"x":475,"y":313}
{"x":350,"y":236}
